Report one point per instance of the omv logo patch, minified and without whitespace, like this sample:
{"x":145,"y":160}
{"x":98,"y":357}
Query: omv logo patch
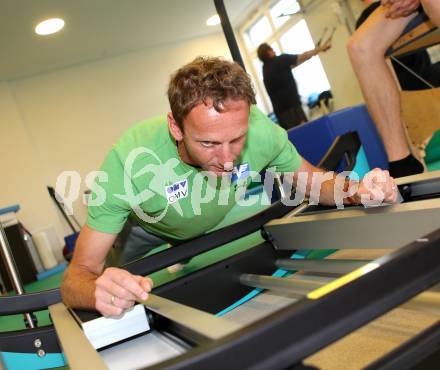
{"x":176,"y":191}
{"x":240,"y":172}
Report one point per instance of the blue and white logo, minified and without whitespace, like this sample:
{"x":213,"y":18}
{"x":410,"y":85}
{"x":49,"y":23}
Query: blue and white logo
{"x":176,"y":191}
{"x":240,"y":172}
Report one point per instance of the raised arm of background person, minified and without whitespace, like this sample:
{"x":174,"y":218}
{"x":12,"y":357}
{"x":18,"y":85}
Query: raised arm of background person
{"x":87,"y":286}
{"x":385,"y":188}
{"x":311,"y":53}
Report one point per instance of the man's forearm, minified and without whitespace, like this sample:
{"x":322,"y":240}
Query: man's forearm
{"x":327,"y":193}
{"x":377,"y":187}
{"x":307,"y":55}
{"x":78,"y":288}
{"x":311,"y":53}
{"x":328,"y":188}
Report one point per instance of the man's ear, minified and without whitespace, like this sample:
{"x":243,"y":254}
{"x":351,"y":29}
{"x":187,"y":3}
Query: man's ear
{"x":173,"y":126}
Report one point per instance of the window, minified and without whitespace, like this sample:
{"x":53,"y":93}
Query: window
{"x":310,"y":76}
{"x":259,"y":32}
{"x":258,"y":65}
{"x":279,"y":12}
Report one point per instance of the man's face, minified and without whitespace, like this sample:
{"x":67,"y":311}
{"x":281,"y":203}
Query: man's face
{"x":271,"y":53}
{"x":212,"y":140}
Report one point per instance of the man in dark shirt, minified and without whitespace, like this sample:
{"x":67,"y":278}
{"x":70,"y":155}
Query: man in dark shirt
{"x":280,"y":84}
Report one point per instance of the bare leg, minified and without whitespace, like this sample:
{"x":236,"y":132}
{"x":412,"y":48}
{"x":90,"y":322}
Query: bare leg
{"x":432,"y":9}
{"x":366,"y":48}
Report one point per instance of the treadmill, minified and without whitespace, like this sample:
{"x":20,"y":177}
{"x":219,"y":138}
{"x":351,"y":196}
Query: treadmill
{"x":280,"y":304}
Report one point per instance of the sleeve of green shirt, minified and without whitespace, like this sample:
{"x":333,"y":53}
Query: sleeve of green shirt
{"x":111,"y":215}
{"x":280,"y":151}
{"x":287,"y":158}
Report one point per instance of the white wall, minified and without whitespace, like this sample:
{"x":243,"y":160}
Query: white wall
{"x":343,"y":82}
{"x":69,"y":118}
{"x":23,"y":179}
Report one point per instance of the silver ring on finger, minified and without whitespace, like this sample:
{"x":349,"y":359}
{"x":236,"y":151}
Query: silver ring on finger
{"x":112,"y":300}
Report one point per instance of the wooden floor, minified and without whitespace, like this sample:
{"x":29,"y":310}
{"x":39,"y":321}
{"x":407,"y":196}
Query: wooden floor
{"x":375,"y":339}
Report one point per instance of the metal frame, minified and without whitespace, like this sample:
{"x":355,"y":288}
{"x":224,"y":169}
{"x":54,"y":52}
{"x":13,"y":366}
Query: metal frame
{"x":224,"y":276}
{"x":23,"y":341}
{"x":11,"y":268}
{"x":328,"y":266}
{"x":297,"y":287}
{"x":194,"y":325}
{"x":343,"y":147}
{"x":78,"y":350}
{"x":272,"y":342}
{"x":10,"y":305}
{"x":170,"y":256}
{"x":378,"y":227}
{"x":423,"y":186}
{"x":297,"y":331}
{"x":228,"y":32}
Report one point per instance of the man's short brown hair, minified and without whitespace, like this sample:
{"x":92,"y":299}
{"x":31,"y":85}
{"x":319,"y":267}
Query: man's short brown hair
{"x":262,"y":52}
{"x":207,"y":79}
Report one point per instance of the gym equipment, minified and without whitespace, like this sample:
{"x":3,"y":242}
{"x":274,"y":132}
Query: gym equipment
{"x":184,"y":314}
{"x":70,"y":239}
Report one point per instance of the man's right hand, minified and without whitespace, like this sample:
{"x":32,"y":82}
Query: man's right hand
{"x":117,"y":290}
{"x":327,"y":45}
{"x":400,"y":8}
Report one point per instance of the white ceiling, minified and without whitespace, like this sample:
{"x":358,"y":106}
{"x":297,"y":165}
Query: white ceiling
{"x":98,"y":29}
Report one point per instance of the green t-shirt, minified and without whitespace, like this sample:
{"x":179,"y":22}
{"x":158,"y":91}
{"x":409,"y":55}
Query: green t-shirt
{"x":147,"y":180}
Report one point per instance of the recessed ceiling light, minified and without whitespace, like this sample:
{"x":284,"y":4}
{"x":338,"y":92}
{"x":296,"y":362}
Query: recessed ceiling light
{"x":213,"y":21}
{"x":49,"y":26}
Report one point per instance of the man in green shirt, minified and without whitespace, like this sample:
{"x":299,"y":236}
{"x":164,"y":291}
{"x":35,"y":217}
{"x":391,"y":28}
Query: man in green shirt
{"x":178,"y":176}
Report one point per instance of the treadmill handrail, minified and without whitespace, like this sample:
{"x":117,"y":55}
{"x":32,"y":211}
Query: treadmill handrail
{"x":40,"y":300}
{"x":29,"y":302}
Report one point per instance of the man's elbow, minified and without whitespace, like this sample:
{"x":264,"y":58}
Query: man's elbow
{"x":72,"y":285}
{"x":66,"y":289}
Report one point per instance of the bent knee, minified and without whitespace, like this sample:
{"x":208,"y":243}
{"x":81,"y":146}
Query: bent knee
{"x":358,"y":46}
{"x":363,"y":46}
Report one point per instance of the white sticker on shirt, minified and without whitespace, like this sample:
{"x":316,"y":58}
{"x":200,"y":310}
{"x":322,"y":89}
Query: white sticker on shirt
{"x":240,"y":172}
{"x":176,"y":191}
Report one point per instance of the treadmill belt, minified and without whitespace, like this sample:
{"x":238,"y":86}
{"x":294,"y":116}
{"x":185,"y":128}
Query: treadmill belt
{"x":358,"y":349}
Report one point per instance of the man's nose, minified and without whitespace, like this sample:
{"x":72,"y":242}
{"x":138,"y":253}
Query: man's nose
{"x":226,"y":157}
